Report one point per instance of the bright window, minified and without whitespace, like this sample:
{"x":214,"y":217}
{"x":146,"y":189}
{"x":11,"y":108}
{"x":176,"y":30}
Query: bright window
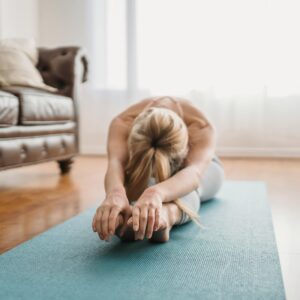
{"x":230,"y":47}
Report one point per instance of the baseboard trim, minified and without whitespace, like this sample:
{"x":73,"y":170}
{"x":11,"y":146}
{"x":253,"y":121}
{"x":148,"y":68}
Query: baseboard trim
{"x":259,"y":152}
{"x":222,"y":151}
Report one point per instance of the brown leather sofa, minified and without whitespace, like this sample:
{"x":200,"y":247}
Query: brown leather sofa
{"x":38,"y":126}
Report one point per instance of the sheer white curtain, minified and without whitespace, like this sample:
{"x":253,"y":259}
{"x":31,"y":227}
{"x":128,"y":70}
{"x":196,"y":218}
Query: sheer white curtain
{"x":238,"y":60}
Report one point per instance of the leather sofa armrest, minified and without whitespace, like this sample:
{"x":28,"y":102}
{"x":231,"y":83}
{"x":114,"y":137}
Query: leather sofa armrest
{"x":64,"y":68}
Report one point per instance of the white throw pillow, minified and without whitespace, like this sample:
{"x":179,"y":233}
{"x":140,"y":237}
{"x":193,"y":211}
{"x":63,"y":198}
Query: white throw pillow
{"x":18,"y":58}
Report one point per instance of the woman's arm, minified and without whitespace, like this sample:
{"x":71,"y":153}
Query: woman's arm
{"x":115,"y":203}
{"x":117,"y":154}
{"x":202,"y":140}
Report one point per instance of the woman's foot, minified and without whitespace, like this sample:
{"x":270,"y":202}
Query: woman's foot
{"x":164,"y":227}
{"x":128,"y":233}
{"x":171,"y":214}
{"x":162,"y":234}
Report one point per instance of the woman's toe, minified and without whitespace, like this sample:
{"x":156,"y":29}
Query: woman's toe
{"x":161,"y":235}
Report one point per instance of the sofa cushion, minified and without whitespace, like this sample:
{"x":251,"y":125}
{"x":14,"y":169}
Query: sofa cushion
{"x":9,"y":109}
{"x":39,"y":107}
{"x":17,"y":64}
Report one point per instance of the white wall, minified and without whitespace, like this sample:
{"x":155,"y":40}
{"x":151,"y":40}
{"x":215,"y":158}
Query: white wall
{"x":19,"y":18}
{"x":69,"y":22}
{"x":62,"y":22}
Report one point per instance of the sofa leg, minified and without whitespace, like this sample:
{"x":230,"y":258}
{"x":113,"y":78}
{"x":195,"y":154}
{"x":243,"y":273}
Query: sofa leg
{"x":65,"y":165}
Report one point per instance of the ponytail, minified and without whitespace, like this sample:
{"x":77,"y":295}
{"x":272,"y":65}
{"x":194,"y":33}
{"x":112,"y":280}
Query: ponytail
{"x":163,"y":171}
{"x":138,"y":171}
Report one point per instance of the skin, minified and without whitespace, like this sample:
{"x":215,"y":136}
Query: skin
{"x":153,"y":214}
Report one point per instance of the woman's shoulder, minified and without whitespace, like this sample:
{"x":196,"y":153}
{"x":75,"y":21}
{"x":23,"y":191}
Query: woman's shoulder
{"x":185,"y":108}
{"x":134,"y":109}
{"x":191,"y":113}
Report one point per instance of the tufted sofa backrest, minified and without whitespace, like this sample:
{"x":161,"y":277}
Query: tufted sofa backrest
{"x":59,"y":67}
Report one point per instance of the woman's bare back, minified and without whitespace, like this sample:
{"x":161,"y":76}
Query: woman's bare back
{"x":184,"y":108}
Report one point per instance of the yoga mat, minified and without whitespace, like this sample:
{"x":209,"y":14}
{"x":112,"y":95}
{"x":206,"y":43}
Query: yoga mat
{"x":235,"y":257}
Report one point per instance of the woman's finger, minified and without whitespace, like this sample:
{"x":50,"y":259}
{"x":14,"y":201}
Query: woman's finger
{"x":130,"y":222}
{"x":136,"y":218}
{"x":157,"y":217}
{"x":94,"y":223}
{"x":126,"y":217}
{"x":104,"y":223}
{"x":98,"y":221}
{"x":143,"y":222}
{"x":112,"y":220}
{"x":150,"y":224}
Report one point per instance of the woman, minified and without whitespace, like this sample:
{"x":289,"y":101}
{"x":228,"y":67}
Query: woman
{"x":161,"y":160}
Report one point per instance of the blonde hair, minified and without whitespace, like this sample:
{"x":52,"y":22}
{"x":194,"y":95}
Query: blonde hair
{"x":158,"y":144}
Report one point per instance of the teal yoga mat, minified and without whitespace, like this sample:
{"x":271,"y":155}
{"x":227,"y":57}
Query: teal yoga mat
{"x":235,"y":257}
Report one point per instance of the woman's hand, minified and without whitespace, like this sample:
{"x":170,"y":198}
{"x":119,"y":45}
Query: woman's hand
{"x":115,"y":209}
{"x":146,"y":214}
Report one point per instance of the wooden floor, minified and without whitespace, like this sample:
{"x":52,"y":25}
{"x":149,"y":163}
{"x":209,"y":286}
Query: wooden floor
{"x":33,"y":199}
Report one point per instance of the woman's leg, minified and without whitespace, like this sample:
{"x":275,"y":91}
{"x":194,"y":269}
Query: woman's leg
{"x":192,"y":200}
{"x":211,"y":183}
{"x":212,"y":180}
